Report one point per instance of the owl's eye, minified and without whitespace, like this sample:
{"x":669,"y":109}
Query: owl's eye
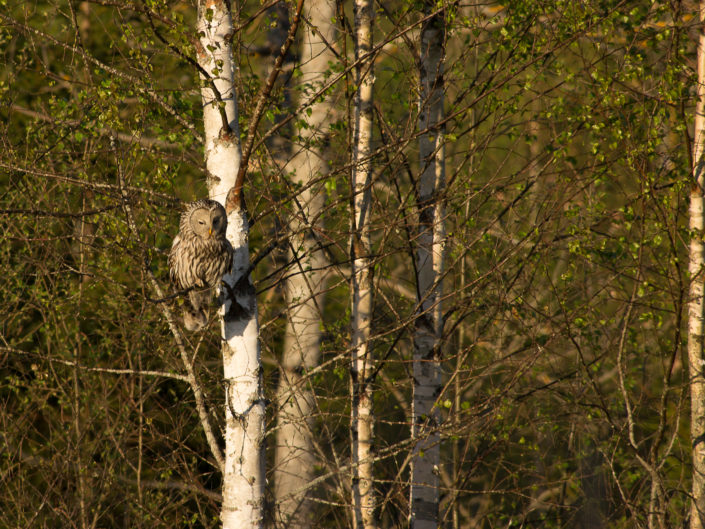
{"x":201,"y":221}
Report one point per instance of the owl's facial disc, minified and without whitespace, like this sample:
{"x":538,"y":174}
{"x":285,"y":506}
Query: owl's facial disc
{"x":201,"y":223}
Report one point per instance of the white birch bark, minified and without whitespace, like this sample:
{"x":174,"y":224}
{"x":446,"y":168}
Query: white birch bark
{"x":429,"y":265}
{"x":243,"y":475}
{"x":361,"y":291}
{"x":294,"y":457}
{"x":696,"y":358}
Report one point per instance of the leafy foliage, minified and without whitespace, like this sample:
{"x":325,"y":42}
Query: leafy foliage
{"x":568,"y":165}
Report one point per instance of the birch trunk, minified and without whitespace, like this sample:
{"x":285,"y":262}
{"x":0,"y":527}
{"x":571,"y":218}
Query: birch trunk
{"x":361,"y":279}
{"x":243,"y":475}
{"x":294,"y":458}
{"x":429,"y":265}
{"x":696,"y":358}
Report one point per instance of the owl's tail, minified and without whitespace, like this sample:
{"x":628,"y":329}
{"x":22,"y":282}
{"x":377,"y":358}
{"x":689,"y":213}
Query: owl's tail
{"x":195,"y":310}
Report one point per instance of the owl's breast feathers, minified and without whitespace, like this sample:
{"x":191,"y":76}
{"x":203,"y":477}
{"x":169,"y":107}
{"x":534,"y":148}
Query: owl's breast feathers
{"x":196,"y":262}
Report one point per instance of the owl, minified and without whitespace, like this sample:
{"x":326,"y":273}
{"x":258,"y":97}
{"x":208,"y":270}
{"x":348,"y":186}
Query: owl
{"x":199,"y":256}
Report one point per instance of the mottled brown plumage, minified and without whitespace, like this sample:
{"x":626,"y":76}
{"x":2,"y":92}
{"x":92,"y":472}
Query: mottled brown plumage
{"x":199,"y":256}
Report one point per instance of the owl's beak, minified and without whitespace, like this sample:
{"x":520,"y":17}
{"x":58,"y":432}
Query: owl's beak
{"x":210,"y":232}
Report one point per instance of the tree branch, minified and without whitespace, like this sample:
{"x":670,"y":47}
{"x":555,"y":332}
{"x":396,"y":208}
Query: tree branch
{"x":234,"y":199}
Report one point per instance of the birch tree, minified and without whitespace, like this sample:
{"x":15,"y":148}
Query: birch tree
{"x":696,"y":309}
{"x":361,"y":278}
{"x":294,"y":452}
{"x":425,"y":460}
{"x":243,"y":473}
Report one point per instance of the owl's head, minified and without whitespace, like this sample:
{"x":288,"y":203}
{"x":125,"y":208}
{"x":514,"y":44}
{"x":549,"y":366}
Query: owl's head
{"x":207,"y":219}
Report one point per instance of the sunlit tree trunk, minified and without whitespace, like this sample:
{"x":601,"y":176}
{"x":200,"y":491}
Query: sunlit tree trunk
{"x":429,"y":267}
{"x":361,"y":279}
{"x":696,"y":358}
{"x":243,"y":475}
{"x":294,"y":458}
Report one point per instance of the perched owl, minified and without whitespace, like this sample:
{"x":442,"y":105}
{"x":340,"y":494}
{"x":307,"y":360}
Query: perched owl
{"x":199,"y":256}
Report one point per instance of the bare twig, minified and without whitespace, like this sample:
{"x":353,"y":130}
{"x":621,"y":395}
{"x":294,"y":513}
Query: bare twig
{"x":70,"y":363}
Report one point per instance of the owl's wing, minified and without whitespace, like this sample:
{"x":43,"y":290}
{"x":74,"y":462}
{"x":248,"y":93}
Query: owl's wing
{"x":229,"y":250}
{"x":172,"y":261}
